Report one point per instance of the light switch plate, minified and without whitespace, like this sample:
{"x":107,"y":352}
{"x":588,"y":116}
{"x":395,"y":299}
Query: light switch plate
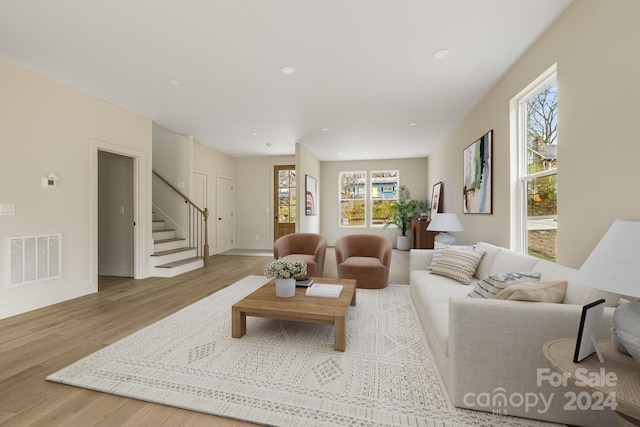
{"x":7,"y":210}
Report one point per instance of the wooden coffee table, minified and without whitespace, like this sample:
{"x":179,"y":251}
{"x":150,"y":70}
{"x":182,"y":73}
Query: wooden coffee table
{"x":264,"y":303}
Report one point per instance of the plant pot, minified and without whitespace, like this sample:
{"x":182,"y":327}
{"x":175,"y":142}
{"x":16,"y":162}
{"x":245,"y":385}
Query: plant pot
{"x":403,"y":243}
{"x":285,"y":288}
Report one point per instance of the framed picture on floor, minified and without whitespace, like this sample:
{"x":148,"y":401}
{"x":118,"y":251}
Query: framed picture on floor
{"x":477,"y":194}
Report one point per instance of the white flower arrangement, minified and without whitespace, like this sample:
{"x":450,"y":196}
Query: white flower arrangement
{"x":285,"y":268}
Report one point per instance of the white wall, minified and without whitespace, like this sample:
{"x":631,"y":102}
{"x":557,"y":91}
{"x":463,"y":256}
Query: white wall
{"x":413,"y":174}
{"x":49,"y":127}
{"x":595,"y":45}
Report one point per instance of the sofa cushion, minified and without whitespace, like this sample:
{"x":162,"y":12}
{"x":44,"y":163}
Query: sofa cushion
{"x":507,"y":260}
{"x":490,"y":252}
{"x":580,"y":294}
{"x":491,"y":285}
{"x":439,"y":247}
{"x":552,"y":291}
{"x":458,"y":264}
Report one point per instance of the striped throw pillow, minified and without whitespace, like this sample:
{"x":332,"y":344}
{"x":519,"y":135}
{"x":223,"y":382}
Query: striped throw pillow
{"x":438,"y":248}
{"x":491,"y":285}
{"x":458,"y":264}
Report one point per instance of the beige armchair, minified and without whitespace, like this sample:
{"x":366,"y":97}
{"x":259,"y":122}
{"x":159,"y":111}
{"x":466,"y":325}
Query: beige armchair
{"x":366,"y":258}
{"x":310,"y":247}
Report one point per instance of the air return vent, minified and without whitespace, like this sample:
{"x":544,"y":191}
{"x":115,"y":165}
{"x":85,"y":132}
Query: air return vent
{"x":33,"y":259}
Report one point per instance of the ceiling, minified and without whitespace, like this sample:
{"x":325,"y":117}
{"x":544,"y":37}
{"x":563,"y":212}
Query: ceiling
{"x":365,"y":84}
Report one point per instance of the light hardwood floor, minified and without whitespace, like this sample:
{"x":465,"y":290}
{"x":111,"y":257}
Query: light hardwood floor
{"x":36,"y":344}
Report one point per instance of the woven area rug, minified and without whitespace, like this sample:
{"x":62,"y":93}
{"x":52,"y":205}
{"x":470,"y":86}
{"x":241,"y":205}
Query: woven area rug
{"x":284,"y":373}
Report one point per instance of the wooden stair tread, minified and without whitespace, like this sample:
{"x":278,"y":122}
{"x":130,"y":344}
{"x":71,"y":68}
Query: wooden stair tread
{"x":179,"y":263}
{"x":173,"y":239}
{"x":172,"y":251}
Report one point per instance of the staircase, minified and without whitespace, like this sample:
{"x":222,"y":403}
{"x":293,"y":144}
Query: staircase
{"x":171,"y":255}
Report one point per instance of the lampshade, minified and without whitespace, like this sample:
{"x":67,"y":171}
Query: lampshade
{"x":445,"y":222}
{"x":614,"y":264}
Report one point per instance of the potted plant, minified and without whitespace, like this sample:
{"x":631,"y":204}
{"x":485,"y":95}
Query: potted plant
{"x":285,"y":270}
{"x":404,"y":211}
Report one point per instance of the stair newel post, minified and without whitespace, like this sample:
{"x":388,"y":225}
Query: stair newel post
{"x":205,"y":254}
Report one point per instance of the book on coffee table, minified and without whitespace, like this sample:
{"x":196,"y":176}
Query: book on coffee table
{"x":324,"y":290}
{"x":304,"y":283}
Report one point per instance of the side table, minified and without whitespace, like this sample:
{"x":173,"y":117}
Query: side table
{"x":618,"y":378}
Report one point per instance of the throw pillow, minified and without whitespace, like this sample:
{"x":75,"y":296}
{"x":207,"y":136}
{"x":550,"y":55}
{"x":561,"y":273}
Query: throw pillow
{"x":458,"y":264}
{"x":439,"y":247}
{"x":535,"y":291}
{"x":489,"y":286}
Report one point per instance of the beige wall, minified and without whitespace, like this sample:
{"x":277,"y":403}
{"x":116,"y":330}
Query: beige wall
{"x":595,"y":46}
{"x":49,"y":127}
{"x":254,"y":200}
{"x":413,"y":173}
{"x":213,"y":164}
{"x":172,"y":156}
{"x":307,"y":164}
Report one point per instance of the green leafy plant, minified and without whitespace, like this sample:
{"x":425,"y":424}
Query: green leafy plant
{"x":285,"y":268}
{"x":404,"y":210}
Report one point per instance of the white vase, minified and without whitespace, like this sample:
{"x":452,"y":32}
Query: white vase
{"x":285,"y":288}
{"x":403,"y":243}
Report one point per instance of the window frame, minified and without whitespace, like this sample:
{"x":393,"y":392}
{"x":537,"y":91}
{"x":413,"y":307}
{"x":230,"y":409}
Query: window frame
{"x":368,"y":196}
{"x":519,"y":166}
{"x":340,"y":199}
{"x":370,"y":223}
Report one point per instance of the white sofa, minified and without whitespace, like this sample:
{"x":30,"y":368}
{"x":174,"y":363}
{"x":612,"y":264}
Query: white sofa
{"x":489,"y":351}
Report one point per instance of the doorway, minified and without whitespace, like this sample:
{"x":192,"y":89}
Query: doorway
{"x":284,"y":191}
{"x":115,"y":215}
{"x":141,"y":208}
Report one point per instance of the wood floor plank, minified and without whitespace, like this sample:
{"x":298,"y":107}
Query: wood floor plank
{"x":36,"y":344}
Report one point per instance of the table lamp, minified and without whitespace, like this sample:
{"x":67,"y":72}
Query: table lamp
{"x":614,"y":266}
{"x":444,"y":223}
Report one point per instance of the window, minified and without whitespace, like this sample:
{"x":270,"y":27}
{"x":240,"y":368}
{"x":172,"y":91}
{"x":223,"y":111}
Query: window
{"x":384,"y":194}
{"x":286,"y":195}
{"x":537,"y":148}
{"x":361,"y":208}
{"x":352,"y":198}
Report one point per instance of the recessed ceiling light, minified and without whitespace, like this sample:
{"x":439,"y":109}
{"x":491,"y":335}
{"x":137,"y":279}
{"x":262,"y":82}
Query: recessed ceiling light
{"x":340,"y":153}
{"x":173,"y":82}
{"x":254,"y":133}
{"x":413,"y":123}
{"x":324,"y":129}
{"x":441,"y":53}
{"x":288,"y":70}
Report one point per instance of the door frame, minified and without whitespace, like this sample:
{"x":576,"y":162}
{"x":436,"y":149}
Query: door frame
{"x":274,"y":205}
{"x":140,"y":269}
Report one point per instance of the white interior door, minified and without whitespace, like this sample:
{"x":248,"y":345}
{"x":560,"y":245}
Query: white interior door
{"x":224,"y":214}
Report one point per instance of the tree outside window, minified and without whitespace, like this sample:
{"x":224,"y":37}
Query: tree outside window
{"x":539,"y":179}
{"x":384,"y":193}
{"x":352,"y":188}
